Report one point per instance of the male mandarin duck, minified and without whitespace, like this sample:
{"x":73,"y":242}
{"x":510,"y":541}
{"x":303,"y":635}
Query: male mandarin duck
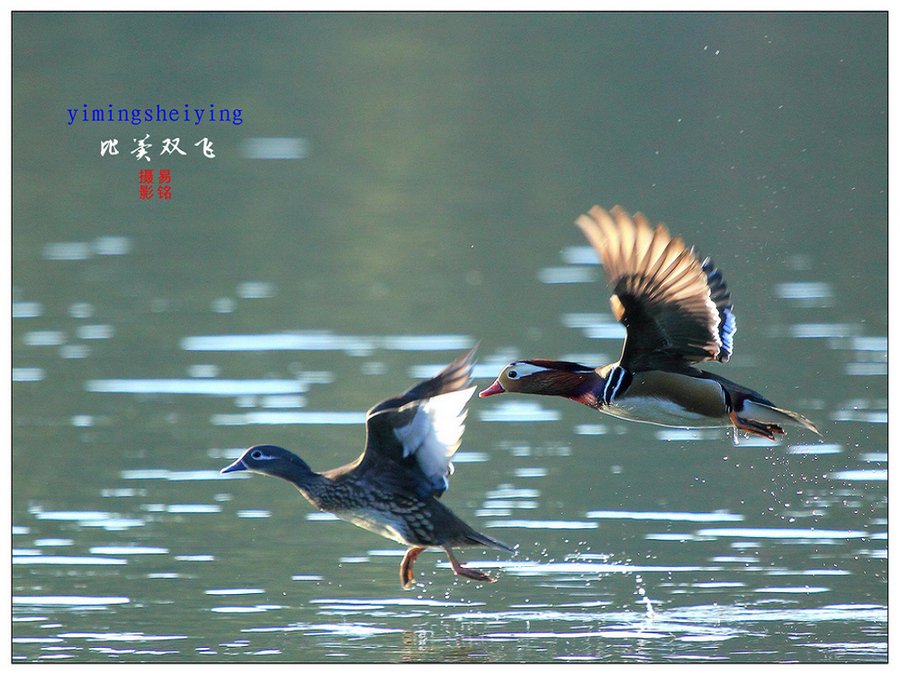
{"x":677,"y":312}
{"x":392,"y":488}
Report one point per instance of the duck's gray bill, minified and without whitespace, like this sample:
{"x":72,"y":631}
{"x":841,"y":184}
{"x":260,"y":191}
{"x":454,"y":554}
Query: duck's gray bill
{"x":236,"y":466}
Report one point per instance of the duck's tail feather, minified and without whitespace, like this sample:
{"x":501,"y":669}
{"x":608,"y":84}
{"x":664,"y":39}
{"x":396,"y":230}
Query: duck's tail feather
{"x":478,"y":538}
{"x":766,"y":414}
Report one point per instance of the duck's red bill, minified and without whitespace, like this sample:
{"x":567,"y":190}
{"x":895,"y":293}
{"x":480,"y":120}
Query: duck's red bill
{"x":495,"y":388}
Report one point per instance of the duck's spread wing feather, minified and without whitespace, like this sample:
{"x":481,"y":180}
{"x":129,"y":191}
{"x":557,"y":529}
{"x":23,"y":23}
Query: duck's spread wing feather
{"x":419,"y":432}
{"x":452,"y":378}
{"x":673,"y":305}
{"x":433,"y":434}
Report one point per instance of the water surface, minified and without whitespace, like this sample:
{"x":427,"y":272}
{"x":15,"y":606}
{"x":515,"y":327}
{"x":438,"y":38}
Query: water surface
{"x":402,"y":188}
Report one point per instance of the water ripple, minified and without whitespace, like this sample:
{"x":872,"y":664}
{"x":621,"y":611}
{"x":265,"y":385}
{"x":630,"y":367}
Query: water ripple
{"x":234,"y":591}
{"x":68,"y":600}
{"x":580,"y":255}
{"x":22,"y":309}
{"x":127,"y":550}
{"x":403,"y":602}
{"x":288,"y":417}
{"x":781,"y":533}
{"x":275,"y":148}
{"x":543,"y":524}
{"x":207,"y":387}
{"x":28,"y":374}
{"x":860,"y":474}
{"x":121,"y":637}
{"x":324,"y":340}
{"x":566,"y":275}
{"x":65,"y":560}
{"x":821,"y":449}
{"x":107,"y":521}
{"x":519,"y":411}
{"x":346,"y":629}
{"x":666,"y":515}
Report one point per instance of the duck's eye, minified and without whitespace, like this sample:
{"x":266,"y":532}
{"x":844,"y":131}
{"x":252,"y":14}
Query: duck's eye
{"x":256,"y":454}
{"x":512,"y":374}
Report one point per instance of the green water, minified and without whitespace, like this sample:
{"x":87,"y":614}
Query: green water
{"x":444,"y":158}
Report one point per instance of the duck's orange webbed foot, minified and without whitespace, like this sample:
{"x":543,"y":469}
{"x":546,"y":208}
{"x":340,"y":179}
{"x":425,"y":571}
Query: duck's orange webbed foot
{"x":756,"y":428}
{"x":475,"y":575}
{"x":406,"y":574}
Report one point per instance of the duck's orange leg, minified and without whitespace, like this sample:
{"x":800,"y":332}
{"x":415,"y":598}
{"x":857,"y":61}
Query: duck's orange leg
{"x":757,"y":428}
{"x":465,"y":571}
{"x":406,"y":575}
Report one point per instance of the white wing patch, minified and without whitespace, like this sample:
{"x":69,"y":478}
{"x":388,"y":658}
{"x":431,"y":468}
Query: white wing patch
{"x":434,"y":433}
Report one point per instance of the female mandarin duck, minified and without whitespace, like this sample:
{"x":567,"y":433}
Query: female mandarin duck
{"x":676,"y":312}
{"x":392,"y":488}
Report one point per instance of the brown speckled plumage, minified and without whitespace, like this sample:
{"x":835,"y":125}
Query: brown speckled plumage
{"x":393,"y":487}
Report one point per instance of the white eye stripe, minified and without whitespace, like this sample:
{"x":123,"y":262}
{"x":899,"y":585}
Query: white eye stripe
{"x":523,"y":369}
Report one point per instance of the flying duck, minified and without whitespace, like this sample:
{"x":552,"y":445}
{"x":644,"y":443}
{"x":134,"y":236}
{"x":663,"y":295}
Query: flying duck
{"x":393,"y":487}
{"x":677,"y":312}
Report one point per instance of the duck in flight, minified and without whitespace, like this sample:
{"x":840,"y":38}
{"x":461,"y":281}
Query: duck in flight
{"x":393,"y":487}
{"x":677,"y":312}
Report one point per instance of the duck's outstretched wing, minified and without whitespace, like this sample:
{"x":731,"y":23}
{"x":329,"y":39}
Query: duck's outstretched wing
{"x":674,"y":306}
{"x":412,"y":438}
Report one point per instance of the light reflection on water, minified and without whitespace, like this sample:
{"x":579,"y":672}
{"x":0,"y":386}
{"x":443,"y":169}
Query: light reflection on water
{"x":657,"y":586}
{"x":202,"y":387}
{"x":798,"y":534}
{"x":139,"y":370}
{"x":70,"y":600}
{"x":670,"y":516}
{"x":107,"y":245}
{"x":821,"y":449}
{"x":324,"y":340}
{"x":567,"y":275}
{"x":281,"y":417}
{"x":64,"y":560}
{"x":519,"y":411}
{"x":860,"y":474}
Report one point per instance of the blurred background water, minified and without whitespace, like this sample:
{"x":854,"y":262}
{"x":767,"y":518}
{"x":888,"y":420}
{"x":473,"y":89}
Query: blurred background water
{"x":421,"y":201}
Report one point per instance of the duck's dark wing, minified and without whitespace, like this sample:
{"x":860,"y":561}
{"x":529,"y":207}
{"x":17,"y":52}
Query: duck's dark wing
{"x":674,"y":306}
{"x":413,"y":437}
